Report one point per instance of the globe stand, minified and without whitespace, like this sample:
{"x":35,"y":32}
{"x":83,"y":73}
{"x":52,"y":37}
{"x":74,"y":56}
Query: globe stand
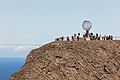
{"x":87,"y":33}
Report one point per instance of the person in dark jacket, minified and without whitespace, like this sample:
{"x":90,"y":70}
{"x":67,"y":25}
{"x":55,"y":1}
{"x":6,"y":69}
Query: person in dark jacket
{"x":62,"y":38}
{"x":57,"y":39}
{"x":111,"y":37}
{"x":78,"y":38}
{"x":96,"y":36}
{"x":75,"y":35}
{"x":79,"y":34}
{"x":68,"y":39}
{"x":72,"y":38}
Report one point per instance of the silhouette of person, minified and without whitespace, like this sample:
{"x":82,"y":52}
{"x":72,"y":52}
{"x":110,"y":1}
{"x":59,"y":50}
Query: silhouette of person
{"x":111,"y":37}
{"x":84,"y":36}
{"x":72,"y":38}
{"x":104,"y":37}
{"x":75,"y":35}
{"x":57,"y":39}
{"x":62,"y":38}
{"x":78,"y":34}
{"x":68,"y":39}
{"x":96,"y":36}
{"x":91,"y":36}
{"x":78,"y":38}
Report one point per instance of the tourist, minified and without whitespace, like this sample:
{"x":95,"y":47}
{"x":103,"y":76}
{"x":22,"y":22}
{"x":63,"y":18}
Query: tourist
{"x":57,"y":39}
{"x":62,"y":38}
{"x":96,"y":38}
{"x":78,"y":38}
{"x":75,"y":35}
{"x":99,"y":38}
{"x":111,"y":37}
{"x":91,"y":36}
{"x":68,"y":39}
{"x":72,"y":38}
{"x":79,"y":34}
{"x":84,"y":36}
{"x":104,"y":37}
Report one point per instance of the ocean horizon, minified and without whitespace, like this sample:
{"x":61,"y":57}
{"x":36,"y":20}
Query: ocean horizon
{"x":10,"y":65}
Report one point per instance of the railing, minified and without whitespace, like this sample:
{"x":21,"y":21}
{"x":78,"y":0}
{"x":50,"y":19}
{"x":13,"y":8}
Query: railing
{"x":116,"y":37}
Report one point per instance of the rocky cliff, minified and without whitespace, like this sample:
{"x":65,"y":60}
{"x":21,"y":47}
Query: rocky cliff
{"x":72,"y":60}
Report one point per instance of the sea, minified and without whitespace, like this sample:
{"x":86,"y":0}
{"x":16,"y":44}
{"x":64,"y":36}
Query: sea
{"x":10,"y":65}
{"x":12,"y":59}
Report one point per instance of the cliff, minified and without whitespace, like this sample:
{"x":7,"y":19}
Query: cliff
{"x":72,"y":60}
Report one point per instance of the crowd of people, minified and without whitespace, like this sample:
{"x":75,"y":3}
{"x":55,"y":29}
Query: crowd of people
{"x":99,"y":37}
{"x":91,"y":36}
{"x":75,"y":37}
{"x":110,"y":37}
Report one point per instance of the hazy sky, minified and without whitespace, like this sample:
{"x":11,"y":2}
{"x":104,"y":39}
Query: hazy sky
{"x":40,"y":21}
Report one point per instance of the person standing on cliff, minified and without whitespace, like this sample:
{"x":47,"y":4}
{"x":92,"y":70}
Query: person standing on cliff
{"x":68,"y":39}
{"x":79,"y":34}
{"x":62,"y":38}
{"x":84,"y":36}
{"x":57,"y":39}
{"x":91,"y":36}
{"x":72,"y":38}
{"x":78,"y":38}
{"x":75,"y":35}
{"x":96,"y":38}
{"x":111,"y":37}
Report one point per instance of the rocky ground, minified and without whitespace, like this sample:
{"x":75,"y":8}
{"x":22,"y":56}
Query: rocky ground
{"x":72,"y":60}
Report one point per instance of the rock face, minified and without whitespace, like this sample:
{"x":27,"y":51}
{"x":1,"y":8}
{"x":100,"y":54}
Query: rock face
{"x":68,"y":60}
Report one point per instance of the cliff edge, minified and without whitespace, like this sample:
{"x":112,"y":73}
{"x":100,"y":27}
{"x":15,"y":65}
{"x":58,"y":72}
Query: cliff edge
{"x":72,"y":60}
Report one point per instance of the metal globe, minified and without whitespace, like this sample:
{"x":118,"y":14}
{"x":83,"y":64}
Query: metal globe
{"x":86,"y":25}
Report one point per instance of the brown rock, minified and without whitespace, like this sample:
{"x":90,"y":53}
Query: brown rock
{"x":72,"y":60}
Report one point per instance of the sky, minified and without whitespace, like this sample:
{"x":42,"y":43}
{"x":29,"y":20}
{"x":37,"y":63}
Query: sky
{"x":41,"y":21}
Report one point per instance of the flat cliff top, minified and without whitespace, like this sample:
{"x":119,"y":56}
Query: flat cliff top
{"x":72,"y":60}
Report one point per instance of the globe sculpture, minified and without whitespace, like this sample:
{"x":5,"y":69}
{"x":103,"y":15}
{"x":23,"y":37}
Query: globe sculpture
{"x":87,"y":26}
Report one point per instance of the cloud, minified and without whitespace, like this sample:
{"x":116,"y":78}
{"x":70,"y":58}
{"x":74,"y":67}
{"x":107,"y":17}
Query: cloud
{"x":17,"y":48}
